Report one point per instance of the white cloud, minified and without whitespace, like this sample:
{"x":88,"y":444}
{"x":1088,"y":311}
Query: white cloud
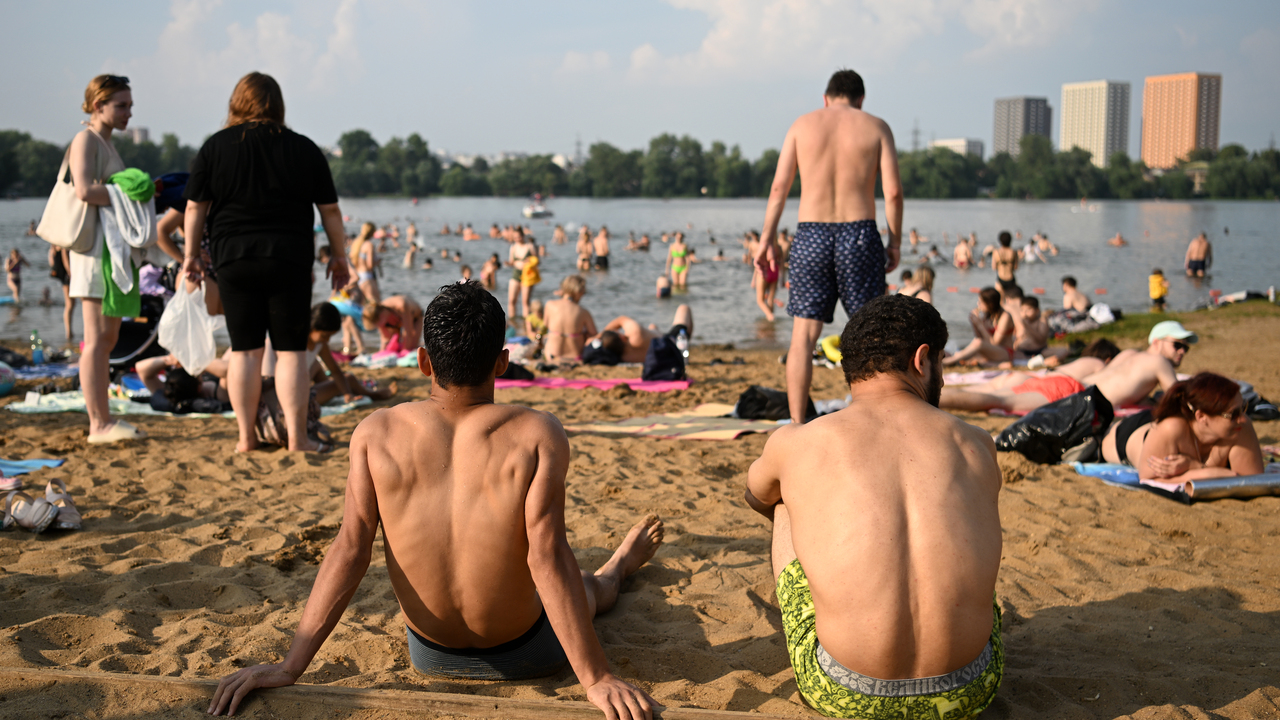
{"x":575,"y":63}
{"x":764,"y":39}
{"x":188,"y":59}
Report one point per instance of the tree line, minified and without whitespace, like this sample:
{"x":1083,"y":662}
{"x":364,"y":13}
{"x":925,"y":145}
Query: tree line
{"x":681,"y":167}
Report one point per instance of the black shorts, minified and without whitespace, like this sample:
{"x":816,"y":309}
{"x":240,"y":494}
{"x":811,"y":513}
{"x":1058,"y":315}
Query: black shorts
{"x":602,"y":262}
{"x":266,"y":295}
{"x":1006,"y":284}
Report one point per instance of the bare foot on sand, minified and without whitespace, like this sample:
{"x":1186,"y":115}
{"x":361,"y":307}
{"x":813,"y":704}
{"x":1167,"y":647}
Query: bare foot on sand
{"x":636,"y":550}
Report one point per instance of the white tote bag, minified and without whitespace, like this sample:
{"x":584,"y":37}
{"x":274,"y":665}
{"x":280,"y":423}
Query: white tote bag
{"x":68,"y":222}
{"x":186,"y":329}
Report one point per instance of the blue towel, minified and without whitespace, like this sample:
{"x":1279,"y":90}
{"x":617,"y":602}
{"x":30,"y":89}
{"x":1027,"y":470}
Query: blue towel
{"x":19,"y":467}
{"x":47,"y":370}
{"x":1110,"y":473}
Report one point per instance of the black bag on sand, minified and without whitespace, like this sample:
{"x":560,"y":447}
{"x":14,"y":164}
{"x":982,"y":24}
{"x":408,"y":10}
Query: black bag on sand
{"x":516,"y":371}
{"x":663,"y":360}
{"x":762,"y":403}
{"x":595,"y":354}
{"x":1043,"y":434}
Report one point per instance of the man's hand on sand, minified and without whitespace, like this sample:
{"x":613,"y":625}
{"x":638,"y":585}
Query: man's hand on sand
{"x":620,"y":700}
{"x":892,"y":256}
{"x":234,"y":687}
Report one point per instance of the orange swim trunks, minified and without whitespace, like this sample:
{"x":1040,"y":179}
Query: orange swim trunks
{"x":1053,"y":387}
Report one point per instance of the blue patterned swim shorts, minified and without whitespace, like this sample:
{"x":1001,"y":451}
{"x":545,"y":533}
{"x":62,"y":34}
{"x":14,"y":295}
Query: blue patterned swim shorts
{"x":830,"y":260}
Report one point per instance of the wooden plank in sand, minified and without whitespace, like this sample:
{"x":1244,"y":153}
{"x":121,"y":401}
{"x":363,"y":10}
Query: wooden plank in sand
{"x":433,"y":703}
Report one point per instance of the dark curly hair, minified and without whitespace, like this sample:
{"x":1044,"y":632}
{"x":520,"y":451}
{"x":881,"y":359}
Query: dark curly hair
{"x":883,"y":336}
{"x":463,"y":330}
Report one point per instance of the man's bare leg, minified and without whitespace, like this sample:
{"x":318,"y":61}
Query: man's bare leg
{"x":684,"y":316}
{"x":783,"y":551}
{"x":636,"y":550}
{"x":804,"y":336}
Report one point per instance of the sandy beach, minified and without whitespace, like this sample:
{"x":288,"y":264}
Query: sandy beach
{"x":195,"y":561}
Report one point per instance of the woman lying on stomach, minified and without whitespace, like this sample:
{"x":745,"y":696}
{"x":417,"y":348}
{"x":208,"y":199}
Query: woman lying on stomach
{"x":1198,"y":430}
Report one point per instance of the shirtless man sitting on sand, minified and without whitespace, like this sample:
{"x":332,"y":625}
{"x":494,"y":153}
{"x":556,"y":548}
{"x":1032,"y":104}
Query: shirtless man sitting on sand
{"x":1133,"y":374}
{"x":886,"y":561}
{"x":470,"y":496}
{"x":1020,"y":392}
{"x":629,"y":340}
{"x":568,"y":323}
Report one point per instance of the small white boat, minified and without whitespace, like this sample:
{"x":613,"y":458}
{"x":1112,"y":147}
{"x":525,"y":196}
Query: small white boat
{"x":536,"y":210}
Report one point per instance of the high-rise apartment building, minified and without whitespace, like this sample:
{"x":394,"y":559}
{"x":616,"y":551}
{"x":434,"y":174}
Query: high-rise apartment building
{"x":1095,"y":117}
{"x":1180,"y":113}
{"x":1018,"y":116}
{"x":960,"y":146}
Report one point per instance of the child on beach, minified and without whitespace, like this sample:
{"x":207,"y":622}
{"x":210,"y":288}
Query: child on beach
{"x":1158,"y":288}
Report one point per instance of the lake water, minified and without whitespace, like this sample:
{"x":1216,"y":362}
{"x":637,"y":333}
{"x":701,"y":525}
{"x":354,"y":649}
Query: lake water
{"x":1248,"y":257}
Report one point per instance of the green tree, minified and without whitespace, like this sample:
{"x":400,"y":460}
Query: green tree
{"x":174,"y":156}
{"x":762,"y":172}
{"x":144,"y":156}
{"x":458,"y":181}
{"x":38,"y":163}
{"x":526,"y":176}
{"x":658,"y":177}
{"x":731,"y":173}
{"x":690,"y":170}
{"x":610,"y":172}
{"x":1126,"y":179}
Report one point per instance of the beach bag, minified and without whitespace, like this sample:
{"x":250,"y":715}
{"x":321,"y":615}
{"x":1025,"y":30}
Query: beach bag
{"x":1046,"y":433}
{"x":663,"y":360}
{"x":270,"y":426}
{"x":186,"y":330}
{"x":762,"y":403}
{"x":68,"y":222}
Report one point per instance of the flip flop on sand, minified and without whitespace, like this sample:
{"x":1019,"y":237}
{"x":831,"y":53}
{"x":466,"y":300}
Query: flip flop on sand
{"x":10,"y":483}
{"x":56,"y":494}
{"x":22,"y":511}
{"x":120,"y":431}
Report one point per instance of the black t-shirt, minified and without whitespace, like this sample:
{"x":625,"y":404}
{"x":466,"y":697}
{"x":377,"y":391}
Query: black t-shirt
{"x":262,"y":182}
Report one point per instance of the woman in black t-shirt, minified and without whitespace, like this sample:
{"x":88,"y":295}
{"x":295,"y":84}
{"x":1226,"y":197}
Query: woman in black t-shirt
{"x":255,"y":182}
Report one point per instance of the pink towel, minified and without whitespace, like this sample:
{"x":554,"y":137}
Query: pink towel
{"x":602,"y":384}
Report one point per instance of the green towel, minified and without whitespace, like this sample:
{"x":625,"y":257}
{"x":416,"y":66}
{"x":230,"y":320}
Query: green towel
{"x":116,"y":303}
{"x":135,"y":183}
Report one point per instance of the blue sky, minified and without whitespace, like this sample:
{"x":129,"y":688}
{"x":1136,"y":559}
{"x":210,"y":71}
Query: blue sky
{"x":484,"y":77}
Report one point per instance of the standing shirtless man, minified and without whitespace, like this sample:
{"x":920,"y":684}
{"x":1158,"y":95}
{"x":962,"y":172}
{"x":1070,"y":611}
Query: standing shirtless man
{"x":1199,"y":256}
{"x":886,"y":561}
{"x":470,"y":496}
{"x":837,"y":252}
{"x":601,"y":246}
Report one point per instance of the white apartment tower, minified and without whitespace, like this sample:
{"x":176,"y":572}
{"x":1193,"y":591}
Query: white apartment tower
{"x":960,"y":146}
{"x":1095,"y":117}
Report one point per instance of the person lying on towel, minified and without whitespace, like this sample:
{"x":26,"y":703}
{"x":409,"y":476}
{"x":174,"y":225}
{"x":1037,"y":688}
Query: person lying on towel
{"x":886,"y":533}
{"x":470,"y":498}
{"x":1020,"y":392}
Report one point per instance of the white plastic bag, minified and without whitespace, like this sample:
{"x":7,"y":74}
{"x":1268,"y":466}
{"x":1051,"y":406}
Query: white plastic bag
{"x":186,"y":329}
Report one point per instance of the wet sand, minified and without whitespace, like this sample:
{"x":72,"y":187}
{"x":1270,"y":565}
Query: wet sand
{"x":195,"y":561}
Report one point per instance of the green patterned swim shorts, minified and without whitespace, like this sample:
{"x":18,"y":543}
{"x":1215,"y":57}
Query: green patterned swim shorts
{"x":836,"y":691}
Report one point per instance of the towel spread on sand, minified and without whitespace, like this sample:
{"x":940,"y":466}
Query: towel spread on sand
{"x":1126,"y":476}
{"x":10,"y":468}
{"x":599,"y":383}
{"x":704,"y":422}
{"x":74,"y":402}
{"x":47,"y":370}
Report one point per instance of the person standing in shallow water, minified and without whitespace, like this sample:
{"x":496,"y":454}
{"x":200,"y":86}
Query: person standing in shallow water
{"x":256,"y":182}
{"x":839,"y":151}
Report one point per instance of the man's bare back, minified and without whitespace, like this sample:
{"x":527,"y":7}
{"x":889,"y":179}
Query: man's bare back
{"x":838,"y":151}
{"x":1132,"y":375}
{"x":902,"y":547}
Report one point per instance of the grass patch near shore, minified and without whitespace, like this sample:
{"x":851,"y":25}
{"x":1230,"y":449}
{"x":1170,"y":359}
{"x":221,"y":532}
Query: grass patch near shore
{"x":1134,"y":327}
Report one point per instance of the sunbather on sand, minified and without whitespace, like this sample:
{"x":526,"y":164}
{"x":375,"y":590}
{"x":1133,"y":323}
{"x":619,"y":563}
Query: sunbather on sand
{"x":568,"y":323}
{"x":1133,"y":374}
{"x":470,"y":499}
{"x":1020,"y":392}
{"x":1198,"y":430}
{"x":629,"y":340}
{"x":886,"y":561}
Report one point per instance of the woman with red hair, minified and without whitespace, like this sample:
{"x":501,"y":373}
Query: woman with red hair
{"x":255,"y":182}
{"x":1198,"y":430}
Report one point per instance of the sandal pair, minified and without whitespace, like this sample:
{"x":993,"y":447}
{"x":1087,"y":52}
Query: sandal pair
{"x":36,"y":515}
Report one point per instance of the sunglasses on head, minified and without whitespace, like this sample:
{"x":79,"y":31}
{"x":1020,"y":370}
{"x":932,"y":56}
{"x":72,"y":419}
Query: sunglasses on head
{"x":117,"y":80}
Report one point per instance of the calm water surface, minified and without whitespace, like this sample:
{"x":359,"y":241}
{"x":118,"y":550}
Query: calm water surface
{"x":1247,"y":255}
